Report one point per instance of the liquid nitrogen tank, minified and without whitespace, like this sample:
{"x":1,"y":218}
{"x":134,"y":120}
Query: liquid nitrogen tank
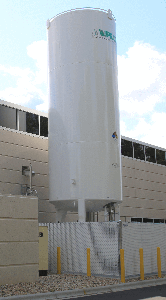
{"x":84,"y":135}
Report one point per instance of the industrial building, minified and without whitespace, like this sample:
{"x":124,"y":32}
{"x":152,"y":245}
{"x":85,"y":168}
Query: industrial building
{"x":85,"y":171}
{"x":24,"y":140}
{"x":90,"y":172}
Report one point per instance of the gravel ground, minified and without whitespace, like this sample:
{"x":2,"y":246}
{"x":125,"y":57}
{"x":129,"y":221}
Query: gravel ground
{"x":52,"y":283}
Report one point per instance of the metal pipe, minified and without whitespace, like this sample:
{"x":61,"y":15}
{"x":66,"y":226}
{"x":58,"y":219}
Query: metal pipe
{"x":159,"y":262}
{"x":122,"y":265}
{"x":58,"y":260}
{"x":141,"y":263}
{"x":119,"y":244}
{"x":120,"y":235}
{"x":81,"y":210}
{"x":30,"y":178}
{"x":105,"y":213}
{"x":88,"y":262}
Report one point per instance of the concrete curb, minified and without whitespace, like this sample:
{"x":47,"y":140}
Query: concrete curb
{"x":90,"y":291}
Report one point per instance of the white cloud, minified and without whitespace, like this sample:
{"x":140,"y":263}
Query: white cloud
{"x":142,"y":86}
{"x":152,"y":132}
{"x":141,"y":79}
{"x":30,"y":86}
{"x":38,"y":51}
{"x":132,"y":105}
{"x":16,"y":71}
{"x":43,"y":106}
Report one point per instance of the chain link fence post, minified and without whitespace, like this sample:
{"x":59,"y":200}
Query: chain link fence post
{"x":119,"y":245}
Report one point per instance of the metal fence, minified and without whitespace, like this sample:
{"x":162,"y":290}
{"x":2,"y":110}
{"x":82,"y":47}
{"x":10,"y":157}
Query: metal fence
{"x":148,"y":236}
{"x":105,"y":240}
{"x":74,"y":238}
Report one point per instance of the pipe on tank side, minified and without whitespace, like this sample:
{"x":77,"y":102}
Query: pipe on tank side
{"x":81,"y":210}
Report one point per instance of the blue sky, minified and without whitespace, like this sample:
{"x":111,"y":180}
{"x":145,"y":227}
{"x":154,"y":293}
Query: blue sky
{"x":141,"y":49}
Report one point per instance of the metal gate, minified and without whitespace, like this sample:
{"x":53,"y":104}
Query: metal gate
{"x":74,"y":238}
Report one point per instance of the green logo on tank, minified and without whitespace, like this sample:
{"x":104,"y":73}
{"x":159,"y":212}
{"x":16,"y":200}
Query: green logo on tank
{"x":104,"y":34}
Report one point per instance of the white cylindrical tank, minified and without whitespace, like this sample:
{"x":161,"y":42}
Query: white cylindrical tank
{"x":84,"y":136}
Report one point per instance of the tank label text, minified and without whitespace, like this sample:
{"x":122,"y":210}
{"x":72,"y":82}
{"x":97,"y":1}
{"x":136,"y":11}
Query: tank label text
{"x":98,"y":33}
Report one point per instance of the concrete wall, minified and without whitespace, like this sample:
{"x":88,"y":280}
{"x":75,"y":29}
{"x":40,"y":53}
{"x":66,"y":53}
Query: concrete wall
{"x":19,"y":249}
{"x":20,"y":149}
{"x":144,"y":190}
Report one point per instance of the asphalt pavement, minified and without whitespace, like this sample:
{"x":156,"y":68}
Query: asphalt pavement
{"x":155,"y":293}
{"x":146,"y":289}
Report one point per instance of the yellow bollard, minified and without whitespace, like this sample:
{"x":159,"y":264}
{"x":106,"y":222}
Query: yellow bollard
{"x":122,"y":265}
{"x":58,"y":260}
{"x":159,"y":262}
{"x":141,"y":264}
{"x":88,"y":262}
